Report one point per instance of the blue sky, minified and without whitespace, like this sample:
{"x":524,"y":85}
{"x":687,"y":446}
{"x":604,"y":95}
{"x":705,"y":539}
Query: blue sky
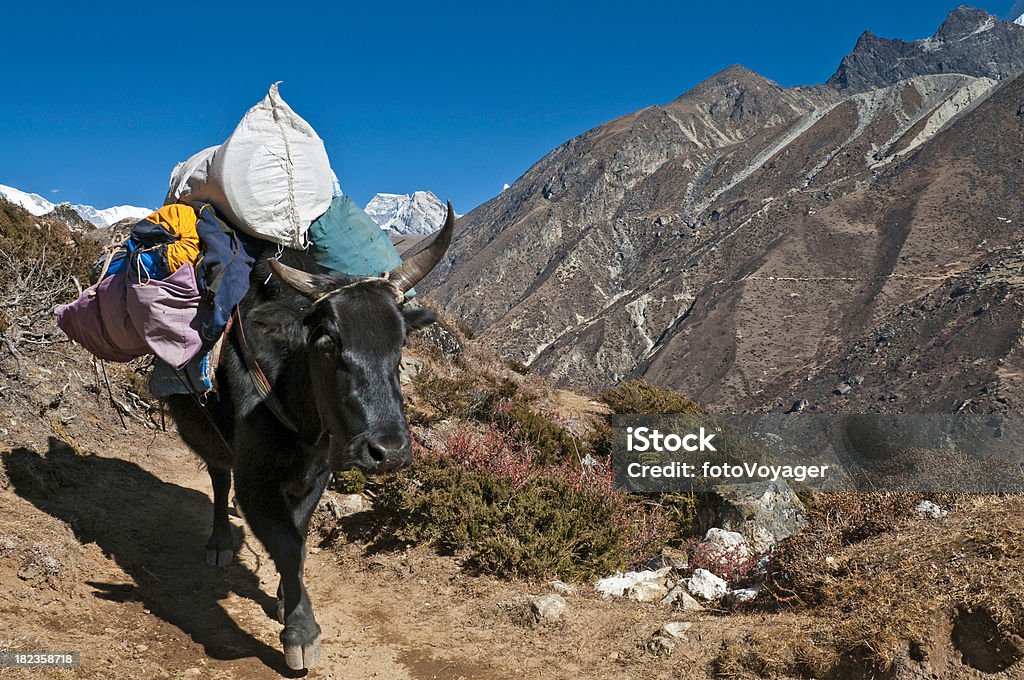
{"x":100,"y":100}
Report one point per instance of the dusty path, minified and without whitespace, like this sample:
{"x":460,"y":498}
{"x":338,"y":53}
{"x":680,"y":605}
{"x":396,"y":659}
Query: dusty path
{"x":104,"y":554}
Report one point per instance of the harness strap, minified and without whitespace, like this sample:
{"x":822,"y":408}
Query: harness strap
{"x":259,"y":378}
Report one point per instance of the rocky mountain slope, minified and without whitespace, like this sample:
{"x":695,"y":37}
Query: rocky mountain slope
{"x":741,"y":240}
{"x":971,"y":41}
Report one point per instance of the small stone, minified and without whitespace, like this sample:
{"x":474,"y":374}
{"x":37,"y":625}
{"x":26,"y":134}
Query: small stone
{"x":408,"y":369}
{"x":798,"y":406}
{"x":647,"y":591}
{"x":742,"y":596}
{"x":343,"y":504}
{"x":661,"y":645}
{"x":682,"y":600}
{"x":548,"y":608}
{"x":705,"y":585}
{"x":843,"y":390}
{"x":928,"y":510}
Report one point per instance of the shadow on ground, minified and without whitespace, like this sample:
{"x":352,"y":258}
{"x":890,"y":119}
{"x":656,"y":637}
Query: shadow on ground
{"x":156,"y":532}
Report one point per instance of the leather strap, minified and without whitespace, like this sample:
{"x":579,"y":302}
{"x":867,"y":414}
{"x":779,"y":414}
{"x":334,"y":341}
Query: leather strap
{"x":259,"y":378}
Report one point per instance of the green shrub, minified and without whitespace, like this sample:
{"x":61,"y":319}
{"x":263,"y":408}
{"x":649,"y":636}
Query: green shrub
{"x":538,"y":528}
{"x":551,"y":442}
{"x":349,"y":481}
{"x":637,"y":396}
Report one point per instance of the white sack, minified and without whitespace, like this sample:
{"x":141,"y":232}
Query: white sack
{"x":271,"y":178}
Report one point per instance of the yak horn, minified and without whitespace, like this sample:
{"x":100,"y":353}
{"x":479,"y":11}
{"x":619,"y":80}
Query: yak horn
{"x":419,"y":265}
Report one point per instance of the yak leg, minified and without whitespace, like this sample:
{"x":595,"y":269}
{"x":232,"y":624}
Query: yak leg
{"x":302,"y":511}
{"x":220,"y":548}
{"x":269,"y":496}
{"x":204,"y":430}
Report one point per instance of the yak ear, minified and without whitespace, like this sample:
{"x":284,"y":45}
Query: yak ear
{"x":418,"y":317}
{"x":310,"y":285}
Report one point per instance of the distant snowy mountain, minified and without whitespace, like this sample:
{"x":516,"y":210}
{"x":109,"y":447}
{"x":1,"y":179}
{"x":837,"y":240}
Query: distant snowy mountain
{"x":407,"y":214}
{"x":34,"y":203}
{"x":1016,"y":14}
{"x":37,"y":205}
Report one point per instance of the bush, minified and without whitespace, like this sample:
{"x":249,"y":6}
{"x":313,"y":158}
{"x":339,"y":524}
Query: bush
{"x":490,"y":500}
{"x":539,"y":527}
{"x":637,"y":396}
{"x":498,"y":401}
{"x":734,"y":565}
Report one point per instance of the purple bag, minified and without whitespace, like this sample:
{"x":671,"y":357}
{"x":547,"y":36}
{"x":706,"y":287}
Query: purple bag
{"x":165,"y":313}
{"x":118,"y":320}
{"x":97,"y":321}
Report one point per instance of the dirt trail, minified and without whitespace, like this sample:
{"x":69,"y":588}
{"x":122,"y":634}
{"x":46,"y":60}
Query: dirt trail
{"x":104,"y":554}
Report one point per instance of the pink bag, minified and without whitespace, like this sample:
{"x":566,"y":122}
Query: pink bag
{"x":97,"y":321}
{"x":119,"y":321}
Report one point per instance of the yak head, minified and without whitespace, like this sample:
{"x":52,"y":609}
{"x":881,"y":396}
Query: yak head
{"x":356,"y":330}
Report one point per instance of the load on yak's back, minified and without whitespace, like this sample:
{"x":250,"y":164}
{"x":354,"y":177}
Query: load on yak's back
{"x":171,"y":288}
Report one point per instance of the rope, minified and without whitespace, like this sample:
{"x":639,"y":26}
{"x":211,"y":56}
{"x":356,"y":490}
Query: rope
{"x":384,"y":278}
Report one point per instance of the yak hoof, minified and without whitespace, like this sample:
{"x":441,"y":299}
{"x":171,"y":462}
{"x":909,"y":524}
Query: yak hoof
{"x":299,"y":657}
{"x":219,"y":558}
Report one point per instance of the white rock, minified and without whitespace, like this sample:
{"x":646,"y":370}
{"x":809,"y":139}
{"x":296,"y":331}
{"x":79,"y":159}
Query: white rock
{"x":928,"y":510}
{"x":617,"y":584}
{"x":727,"y":540}
{"x":705,"y":585}
{"x":344,"y":504}
{"x":549,"y":608}
{"x":743,"y":595}
{"x":647,"y":591}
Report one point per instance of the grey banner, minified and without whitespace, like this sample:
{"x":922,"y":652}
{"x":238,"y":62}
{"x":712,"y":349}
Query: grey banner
{"x":822,"y":452}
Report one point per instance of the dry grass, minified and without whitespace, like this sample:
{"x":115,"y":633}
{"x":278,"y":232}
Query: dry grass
{"x":884,"y":584}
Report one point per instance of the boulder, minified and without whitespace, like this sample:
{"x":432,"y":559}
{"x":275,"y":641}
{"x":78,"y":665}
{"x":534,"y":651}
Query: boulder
{"x":707,"y":586}
{"x":617,"y":584}
{"x":548,"y":608}
{"x":763,"y":512}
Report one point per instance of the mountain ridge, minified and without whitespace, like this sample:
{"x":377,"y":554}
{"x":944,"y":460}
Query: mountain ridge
{"x":99,"y":218}
{"x":682,"y":243}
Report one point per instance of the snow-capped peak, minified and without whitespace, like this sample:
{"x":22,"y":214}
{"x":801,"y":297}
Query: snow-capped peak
{"x":418,"y":213}
{"x":1016,"y":14}
{"x":37,"y":205}
{"x":34,"y":203}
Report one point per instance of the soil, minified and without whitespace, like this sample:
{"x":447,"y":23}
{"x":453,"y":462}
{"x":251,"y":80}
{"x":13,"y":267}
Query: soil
{"x":103,"y":553}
